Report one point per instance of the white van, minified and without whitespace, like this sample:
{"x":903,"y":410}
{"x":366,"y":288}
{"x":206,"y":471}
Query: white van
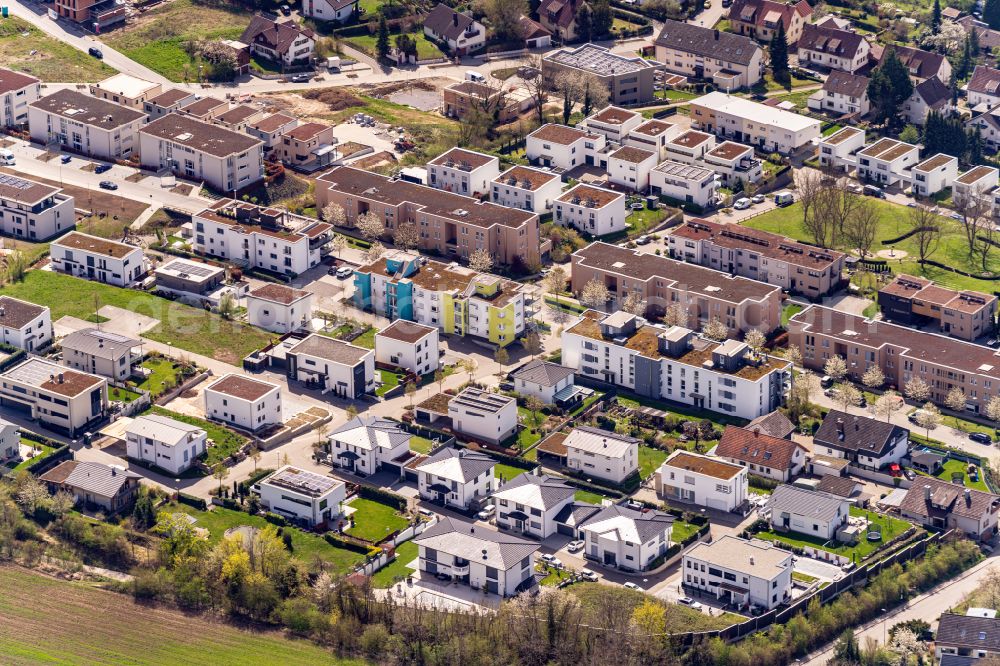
{"x":7,"y":157}
{"x":784,"y":198}
{"x":475,"y":76}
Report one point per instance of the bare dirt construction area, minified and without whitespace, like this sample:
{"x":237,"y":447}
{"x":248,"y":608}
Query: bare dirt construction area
{"x":98,"y":201}
{"x":46,"y":620}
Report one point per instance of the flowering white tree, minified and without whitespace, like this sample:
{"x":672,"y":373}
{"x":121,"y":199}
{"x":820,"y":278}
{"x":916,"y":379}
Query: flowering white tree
{"x":675,"y":315}
{"x":917,"y":390}
{"x":481,"y":260}
{"x":955,"y":400}
{"x":334,"y":214}
{"x":595,"y":294}
{"x":873,"y":377}
{"x":714,"y":329}
{"x":633,"y":304}
{"x":406,"y":236}
{"x":835,"y":368}
{"x":887,"y":404}
{"x":755,"y":339}
{"x":373,"y":253}
{"x":370,"y":225}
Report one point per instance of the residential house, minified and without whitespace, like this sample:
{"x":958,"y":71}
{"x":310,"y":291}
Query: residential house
{"x":61,"y":399}
{"x":365,"y":445}
{"x":271,"y":129}
{"x":224,"y":160}
{"x":96,"y":15}
{"x":526,"y":189}
{"x":25,"y":325}
{"x":618,"y":536}
{"x":544,"y":380}
{"x":455,"y":299}
{"x":34,"y":211}
{"x":562,"y":147}
{"x":205,"y":108}
{"x":689,"y":478}
{"x":615,"y":123}
{"x":529,"y":504}
{"x":279,"y":308}
{"x":559,"y":18}
{"x":933,"y":175}
{"x":100,"y":353}
{"x":764,"y":127}
{"x":915,"y":301}
{"x":126,"y":90}
{"x":661,"y":282}
{"x":987,"y":123}
{"x":164,"y":442}
{"x":928,"y":95}
{"x":826,"y":47}
{"x":630,"y":168}
{"x":332,"y":366}
{"x":987,"y":38}
{"x":729,"y":60}
{"x":979,"y":182}
{"x":759,"y":19}
{"x":685,"y":184}
{"x":887,"y":161}
{"x":307,"y":147}
{"x":839,"y":150}
{"x":112,"y":488}
{"x":340,"y":11}
{"x":866,"y":442}
{"x":734,"y":163}
{"x":483,"y":416}
{"x":304,"y":497}
{"x":450,"y":224}
{"x":744,"y":572}
{"x":271,"y":239}
{"x":775,"y":424}
{"x":281,"y":42}
{"x":17,"y":91}
{"x":653,"y":135}
{"x":460,"y":478}
{"x":629,"y":79}
{"x":534,"y":34}
{"x":191,"y":280}
{"x":601,"y":454}
{"x":239,"y":117}
{"x":593,"y":210}
{"x":248,"y":404}
{"x":410,"y":346}
{"x":921,"y":65}
{"x":690,"y":147}
{"x":967,"y":636}
{"x":674,"y":364}
{"x":465,"y":172}
{"x":941,"y":505}
{"x":842,"y":94}
{"x":168,"y":101}
{"x":983,"y":87}
{"x":99,"y":259}
{"x":842,"y":486}
{"x":491,"y":561}
{"x":815,"y":514}
{"x":94,"y":127}
{"x":762,"y":454}
{"x":760,"y":255}
{"x":459,"y":32}
{"x":10,"y":441}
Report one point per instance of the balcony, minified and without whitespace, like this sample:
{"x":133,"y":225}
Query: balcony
{"x":459,"y":569}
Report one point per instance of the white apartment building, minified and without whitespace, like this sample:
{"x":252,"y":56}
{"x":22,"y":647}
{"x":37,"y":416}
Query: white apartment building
{"x":690,"y":478}
{"x":87,"y":125}
{"x":333,"y":366}
{"x":464,"y":172}
{"x":734,"y":163}
{"x":525,"y":188}
{"x":168,"y":101}
{"x":619,"y":536}
{"x":33,"y":211}
{"x":976,"y":183}
{"x":100,"y":353}
{"x":366,"y":444}
{"x":305,"y":497}
{"x":456,"y":477}
{"x":690,"y":147}
{"x":934,"y":174}
{"x":675,"y":364}
{"x":329,"y":10}
{"x":65,"y":400}
{"x":482,"y":415}
{"x":838,"y":151}
{"x":602,"y":454}
{"x":529,"y":504}
{"x":615,"y":123}
{"x":278,"y":308}
{"x":223,"y":159}
{"x":126,"y":90}
{"x":685,"y":183}
{"x":165,"y":442}
{"x":17,"y":91}
{"x":887,"y":161}
{"x":741,"y":571}
{"x":565,"y":148}
{"x":99,"y":259}
{"x":267,"y":238}
{"x":25,"y":325}
{"x":459,"y":31}
{"x":249,"y":404}
{"x":491,"y":561}
{"x":653,"y":135}
{"x":410,"y":346}
{"x":629,"y":167}
{"x":765,"y":127}
{"x":591,"y":209}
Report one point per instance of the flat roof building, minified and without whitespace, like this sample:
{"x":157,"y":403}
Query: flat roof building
{"x":629,"y":78}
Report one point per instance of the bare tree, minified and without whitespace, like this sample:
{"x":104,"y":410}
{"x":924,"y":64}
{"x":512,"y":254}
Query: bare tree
{"x":535,"y":84}
{"x":338,"y":243}
{"x":974,"y":208}
{"x":370,"y":225}
{"x":808,"y":184}
{"x":555,"y":281}
{"x":926,"y":231}
{"x":504,"y":16}
{"x":590,"y":92}
{"x":481,"y":260}
{"x":595,"y":294}
{"x":532,"y":344}
{"x":848,"y":396}
{"x":755,"y":339}
{"x":406,"y":236}
{"x":861,"y":226}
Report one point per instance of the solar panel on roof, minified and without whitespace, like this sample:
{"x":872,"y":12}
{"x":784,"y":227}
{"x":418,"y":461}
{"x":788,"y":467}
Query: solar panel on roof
{"x":15,"y":182}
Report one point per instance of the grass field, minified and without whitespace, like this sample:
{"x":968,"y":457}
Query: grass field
{"x":48,"y":621}
{"x":893,"y":223}
{"x":43,"y":452}
{"x":649,"y":460}
{"x":226,"y":441}
{"x":421,"y":444}
{"x":157,"y":39}
{"x":588,"y":497}
{"x":958,"y":467}
{"x":426,"y":49}
{"x":406,"y":552}
{"x":162,"y":374}
{"x":52,"y":60}
{"x":678,"y":618}
{"x":182,"y":326}
{"x":891,"y":527}
{"x":507,"y":472}
{"x":374,"y":521}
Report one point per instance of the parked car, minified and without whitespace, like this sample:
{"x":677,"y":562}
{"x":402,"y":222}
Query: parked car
{"x":551,"y":560}
{"x":758,"y":198}
{"x":286,"y":10}
{"x":742,"y":203}
{"x":108,"y":185}
{"x":95,"y":52}
{"x":300,"y":78}
{"x":980,"y":437}
{"x":443,"y":576}
{"x":575,"y":545}
{"x":486,"y":512}
{"x":587,"y":574}
{"x":642,"y":240}
{"x":826,"y":381}
{"x":345,"y":272}
{"x":688,"y":601}
{"x":631,"y":586}
{"x":65,"y":159}
{"x":872,"y":191}
{"x":101,"y":168}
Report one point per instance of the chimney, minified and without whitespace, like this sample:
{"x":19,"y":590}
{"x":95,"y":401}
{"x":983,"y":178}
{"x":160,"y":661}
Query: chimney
{"x":756,"y":431}
{"x":716,"y":35}
{"x":840,"y":429}
{"x":968,"y":497}
{"x":927,"y":493}
{"x":454,"y":18}
{"x":114,"y":472}
{"x":751,"y":560}
{"x":62,"y":378}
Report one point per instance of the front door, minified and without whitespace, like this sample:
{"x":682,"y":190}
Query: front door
{"x":610,"y":558}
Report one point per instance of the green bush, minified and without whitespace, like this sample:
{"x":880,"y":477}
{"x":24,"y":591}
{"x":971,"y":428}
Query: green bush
{"x":397,"y":502}
{"x":193,"y":501}
{"x":275,"y":519}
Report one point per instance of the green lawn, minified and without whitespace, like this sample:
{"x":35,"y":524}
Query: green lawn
{"x":682,"y":530}
{"x":25,"y":48}
{"x":390,"y":380}
{"x":891,"y":527}
{"x":788,"y":312}
{"x":957,"y":466}
{"x":421,"y":444}
{"x":160,"y":39}
{"x":507,"y":472}
{"x":182,"y":326}
{"x":374,"y":521}
{"x":596,"y":597}
{"x":371,"y":7}
{"x":406,"y":552}
{"x":635,"y":401}
{"x":366,"y":339}
{"x":43,"y":452}
{"x":803,"y":578}
{"x":675,"y":95}
{"x":893,"y":222}
{"x":649,"y":460}
{"x":305,"y":545}
{"x":832,"y":129}
{"x":641,"y":221}
{"x":163,"y":373}
{"x":426,"y":49}
{"x":226,"y":441}
{"x":552,"y":575}
{"x":116,"y":394}
{"x":588,"y":497}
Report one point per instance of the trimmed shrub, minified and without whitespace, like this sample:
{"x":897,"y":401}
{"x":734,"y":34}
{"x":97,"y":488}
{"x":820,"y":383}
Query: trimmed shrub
{"x":398,"y":502}
{"x":275,"y":519}
{"x":193,"y":501}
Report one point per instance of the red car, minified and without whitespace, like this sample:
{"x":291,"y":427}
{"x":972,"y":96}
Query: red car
{"x":894,"y":470}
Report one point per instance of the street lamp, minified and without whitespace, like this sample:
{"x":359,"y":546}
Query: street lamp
{"x":883,"y":628}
